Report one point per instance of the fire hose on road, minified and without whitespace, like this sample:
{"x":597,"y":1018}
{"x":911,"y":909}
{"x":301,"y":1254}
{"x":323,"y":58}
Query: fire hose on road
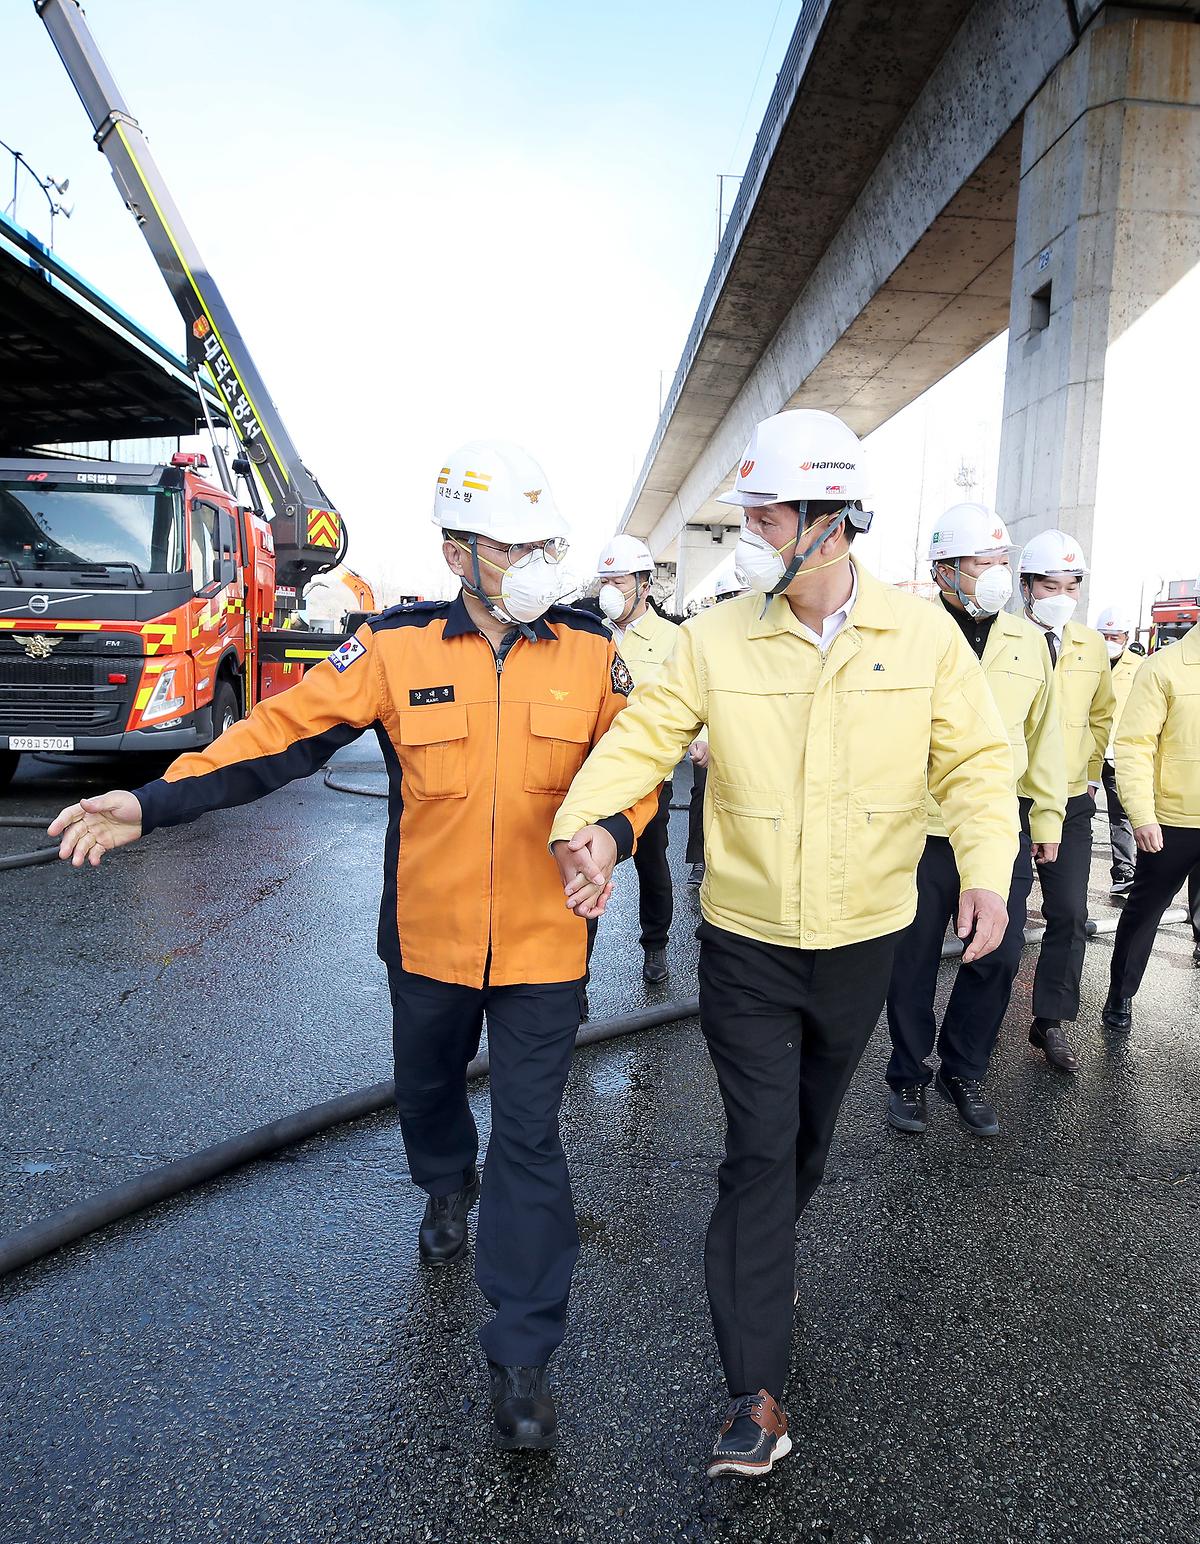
{"x":38,"y":1239}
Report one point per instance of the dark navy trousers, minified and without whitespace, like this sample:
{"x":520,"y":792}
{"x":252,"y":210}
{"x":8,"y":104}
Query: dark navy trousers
{"x":979,"y":997}
{"x":526,"y":1243}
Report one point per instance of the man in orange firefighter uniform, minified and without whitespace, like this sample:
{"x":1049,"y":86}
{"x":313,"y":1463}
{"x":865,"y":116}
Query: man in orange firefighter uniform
{"x":485,"y":708}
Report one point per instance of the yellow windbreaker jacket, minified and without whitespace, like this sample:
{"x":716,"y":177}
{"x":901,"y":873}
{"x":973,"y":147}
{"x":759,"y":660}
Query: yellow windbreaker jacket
{"x":1020,"y":674}
{"x":1085,"y":703}
{"x":815,"y":816}
{"x":646,"y":645}
{"x":1123,"y":673}
{"x":1158,"y":741}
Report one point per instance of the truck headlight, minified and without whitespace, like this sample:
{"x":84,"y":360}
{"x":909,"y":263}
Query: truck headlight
{"x":164,"y":700}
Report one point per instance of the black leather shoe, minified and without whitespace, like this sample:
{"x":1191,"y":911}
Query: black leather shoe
{"x":752,"y":1439}
{"x":906,"y":1109}
{"x":523,"y":1413}
{"x":654,"y":971}
{"x":443,"y":1235}
{"x":966,"y":1094}
{"x":1049,"y":1036}
{"x":696,"y":875}
{"x":1118,"y":1014}
{"x":1196,"y":955}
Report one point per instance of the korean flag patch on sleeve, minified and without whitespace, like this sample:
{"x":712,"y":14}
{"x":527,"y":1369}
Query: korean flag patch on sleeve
{"x":346,"y":653}
{"x":622,"y":681}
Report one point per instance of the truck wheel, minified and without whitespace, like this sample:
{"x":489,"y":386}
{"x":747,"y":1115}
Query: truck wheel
{"x":8,"y":765}
{"x":224,"y":708}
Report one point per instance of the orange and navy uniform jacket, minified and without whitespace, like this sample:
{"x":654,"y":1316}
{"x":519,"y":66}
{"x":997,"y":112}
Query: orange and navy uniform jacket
{"x":480,"y":750}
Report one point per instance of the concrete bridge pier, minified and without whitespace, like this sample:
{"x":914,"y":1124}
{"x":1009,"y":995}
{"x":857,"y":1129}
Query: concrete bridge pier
{"x":1099,"y":405}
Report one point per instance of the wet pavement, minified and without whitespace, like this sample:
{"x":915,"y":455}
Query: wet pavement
{"x":996,"y":1341}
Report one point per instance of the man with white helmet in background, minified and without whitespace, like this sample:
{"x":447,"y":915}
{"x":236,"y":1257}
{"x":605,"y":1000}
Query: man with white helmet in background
{"x":1158,"y":775}
{"x":831,"y":700}
{"x":645,"y":639}
{"x":484,"y":708}
{"x":727,"y":588}
{"x":1052,"y":569}
{"x":1115,"y":627}
{"x":969,"y":556}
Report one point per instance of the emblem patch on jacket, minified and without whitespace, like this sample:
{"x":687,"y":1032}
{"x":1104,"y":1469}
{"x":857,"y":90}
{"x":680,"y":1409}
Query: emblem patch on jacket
{"x":423,"y":696}
{"x":622,"y":681}
{"x":346,"y":653}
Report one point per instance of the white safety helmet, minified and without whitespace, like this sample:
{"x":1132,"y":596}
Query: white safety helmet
{"x":727,"y":584}
{"x":800,"y":454}
{"x":968,"y":531}
{"x":1053,"y":552}
{"x":1113,"y":620}
{"x":624,"y":555}
{"x":494,"y":489}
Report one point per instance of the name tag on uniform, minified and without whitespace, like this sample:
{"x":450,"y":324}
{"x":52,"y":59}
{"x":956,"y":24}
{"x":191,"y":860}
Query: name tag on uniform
{"x":423,"y":696}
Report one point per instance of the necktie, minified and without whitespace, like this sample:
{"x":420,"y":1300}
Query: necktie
{"x":1052,"y":644}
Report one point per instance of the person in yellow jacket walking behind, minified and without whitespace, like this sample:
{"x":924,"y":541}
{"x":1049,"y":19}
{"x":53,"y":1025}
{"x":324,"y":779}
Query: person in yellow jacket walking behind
{"x":1158,"y":775}
{"x":645,"y":640}
{"x":1117,"y":631}
{"x":484,"y":708}
{"x":1052,"y":569}
{"x":969,"y":555}
{"x":831,"y":701}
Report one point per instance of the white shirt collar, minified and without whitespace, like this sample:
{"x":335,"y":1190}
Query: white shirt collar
{"x":832,"y":625}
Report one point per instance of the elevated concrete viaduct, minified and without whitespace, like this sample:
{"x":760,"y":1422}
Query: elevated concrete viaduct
{"x":926,"y":175}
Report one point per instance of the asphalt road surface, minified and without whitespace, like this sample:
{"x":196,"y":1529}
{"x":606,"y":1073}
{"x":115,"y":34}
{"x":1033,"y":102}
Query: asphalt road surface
{"x":996,"y":1341}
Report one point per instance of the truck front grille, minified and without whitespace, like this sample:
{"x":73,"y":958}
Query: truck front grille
{"x":52,"y":696}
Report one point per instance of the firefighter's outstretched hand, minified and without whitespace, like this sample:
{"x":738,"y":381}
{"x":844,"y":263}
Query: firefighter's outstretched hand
{"x":93,"y":827}
{"x":982,"y":921}
{"x":586,"y":864}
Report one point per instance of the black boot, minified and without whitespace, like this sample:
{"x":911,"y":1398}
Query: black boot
{"x":1117,"y":1014}
{"x":966,"y":1094}
{"x":906,"y":1108}
{"x":654,"y":971}
{"x":443,"y":1235}
{"x":523,"y":1413}
{"x":696,"y":875}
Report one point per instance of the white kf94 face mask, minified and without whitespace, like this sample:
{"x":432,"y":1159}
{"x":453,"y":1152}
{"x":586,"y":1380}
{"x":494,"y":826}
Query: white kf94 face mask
{"x":1053,"y":611}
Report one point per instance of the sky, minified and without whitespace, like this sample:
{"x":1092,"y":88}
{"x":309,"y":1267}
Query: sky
{"x":448,"y":220}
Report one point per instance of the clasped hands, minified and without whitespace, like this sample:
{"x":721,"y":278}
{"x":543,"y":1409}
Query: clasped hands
{"x":586,"y":865}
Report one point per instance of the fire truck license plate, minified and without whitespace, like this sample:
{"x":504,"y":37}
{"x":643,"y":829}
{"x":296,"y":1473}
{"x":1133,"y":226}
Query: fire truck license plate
{"x":41,"y":742}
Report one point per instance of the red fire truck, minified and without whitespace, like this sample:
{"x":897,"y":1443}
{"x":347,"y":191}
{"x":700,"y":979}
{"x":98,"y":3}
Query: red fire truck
{"x":146,"y":607}
{"x":1176,"y":612}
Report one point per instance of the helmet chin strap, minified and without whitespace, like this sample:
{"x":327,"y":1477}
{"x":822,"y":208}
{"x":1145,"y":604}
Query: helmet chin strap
{"x":800,"y":558}
{"x":474,"y":586}
{"x":969,"y":605}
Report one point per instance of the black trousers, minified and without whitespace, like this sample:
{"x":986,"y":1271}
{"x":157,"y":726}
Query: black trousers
{"x":1120,"y":832}
{"x":656,"y":893}
{"x":695,"y":841}
{"x":785,"y":1030}
{"x":526,"y":1242}
{"x":1155,"y":884}
{"x":979,"y":997}
{"x":1065,"y":907}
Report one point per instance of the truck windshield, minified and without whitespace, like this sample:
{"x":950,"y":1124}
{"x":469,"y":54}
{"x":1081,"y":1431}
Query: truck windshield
{"x":60,"y":526}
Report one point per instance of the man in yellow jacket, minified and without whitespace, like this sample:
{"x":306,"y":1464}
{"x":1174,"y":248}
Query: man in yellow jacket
{"x":1052,"y":569}
{"x":1117,"y":631}
{"x":645,"y":640}
{"x":969,"y":554}
{"x":1158,"y":775}
{"x":831,"y":702}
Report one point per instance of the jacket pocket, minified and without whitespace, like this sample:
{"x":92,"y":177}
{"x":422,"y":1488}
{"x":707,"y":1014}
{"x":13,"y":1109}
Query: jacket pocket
{"x":744,"y":844}
{"x":559,"y":739}
{"x":433,"y":751}
{"x":884,"y":839}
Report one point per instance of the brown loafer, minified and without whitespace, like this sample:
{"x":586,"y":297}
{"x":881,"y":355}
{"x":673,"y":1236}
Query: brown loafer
{"x":1049,"y":1036}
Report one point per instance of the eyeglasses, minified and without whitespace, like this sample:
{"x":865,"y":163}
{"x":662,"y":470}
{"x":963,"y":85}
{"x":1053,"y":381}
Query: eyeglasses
{"x":519,"y":554}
